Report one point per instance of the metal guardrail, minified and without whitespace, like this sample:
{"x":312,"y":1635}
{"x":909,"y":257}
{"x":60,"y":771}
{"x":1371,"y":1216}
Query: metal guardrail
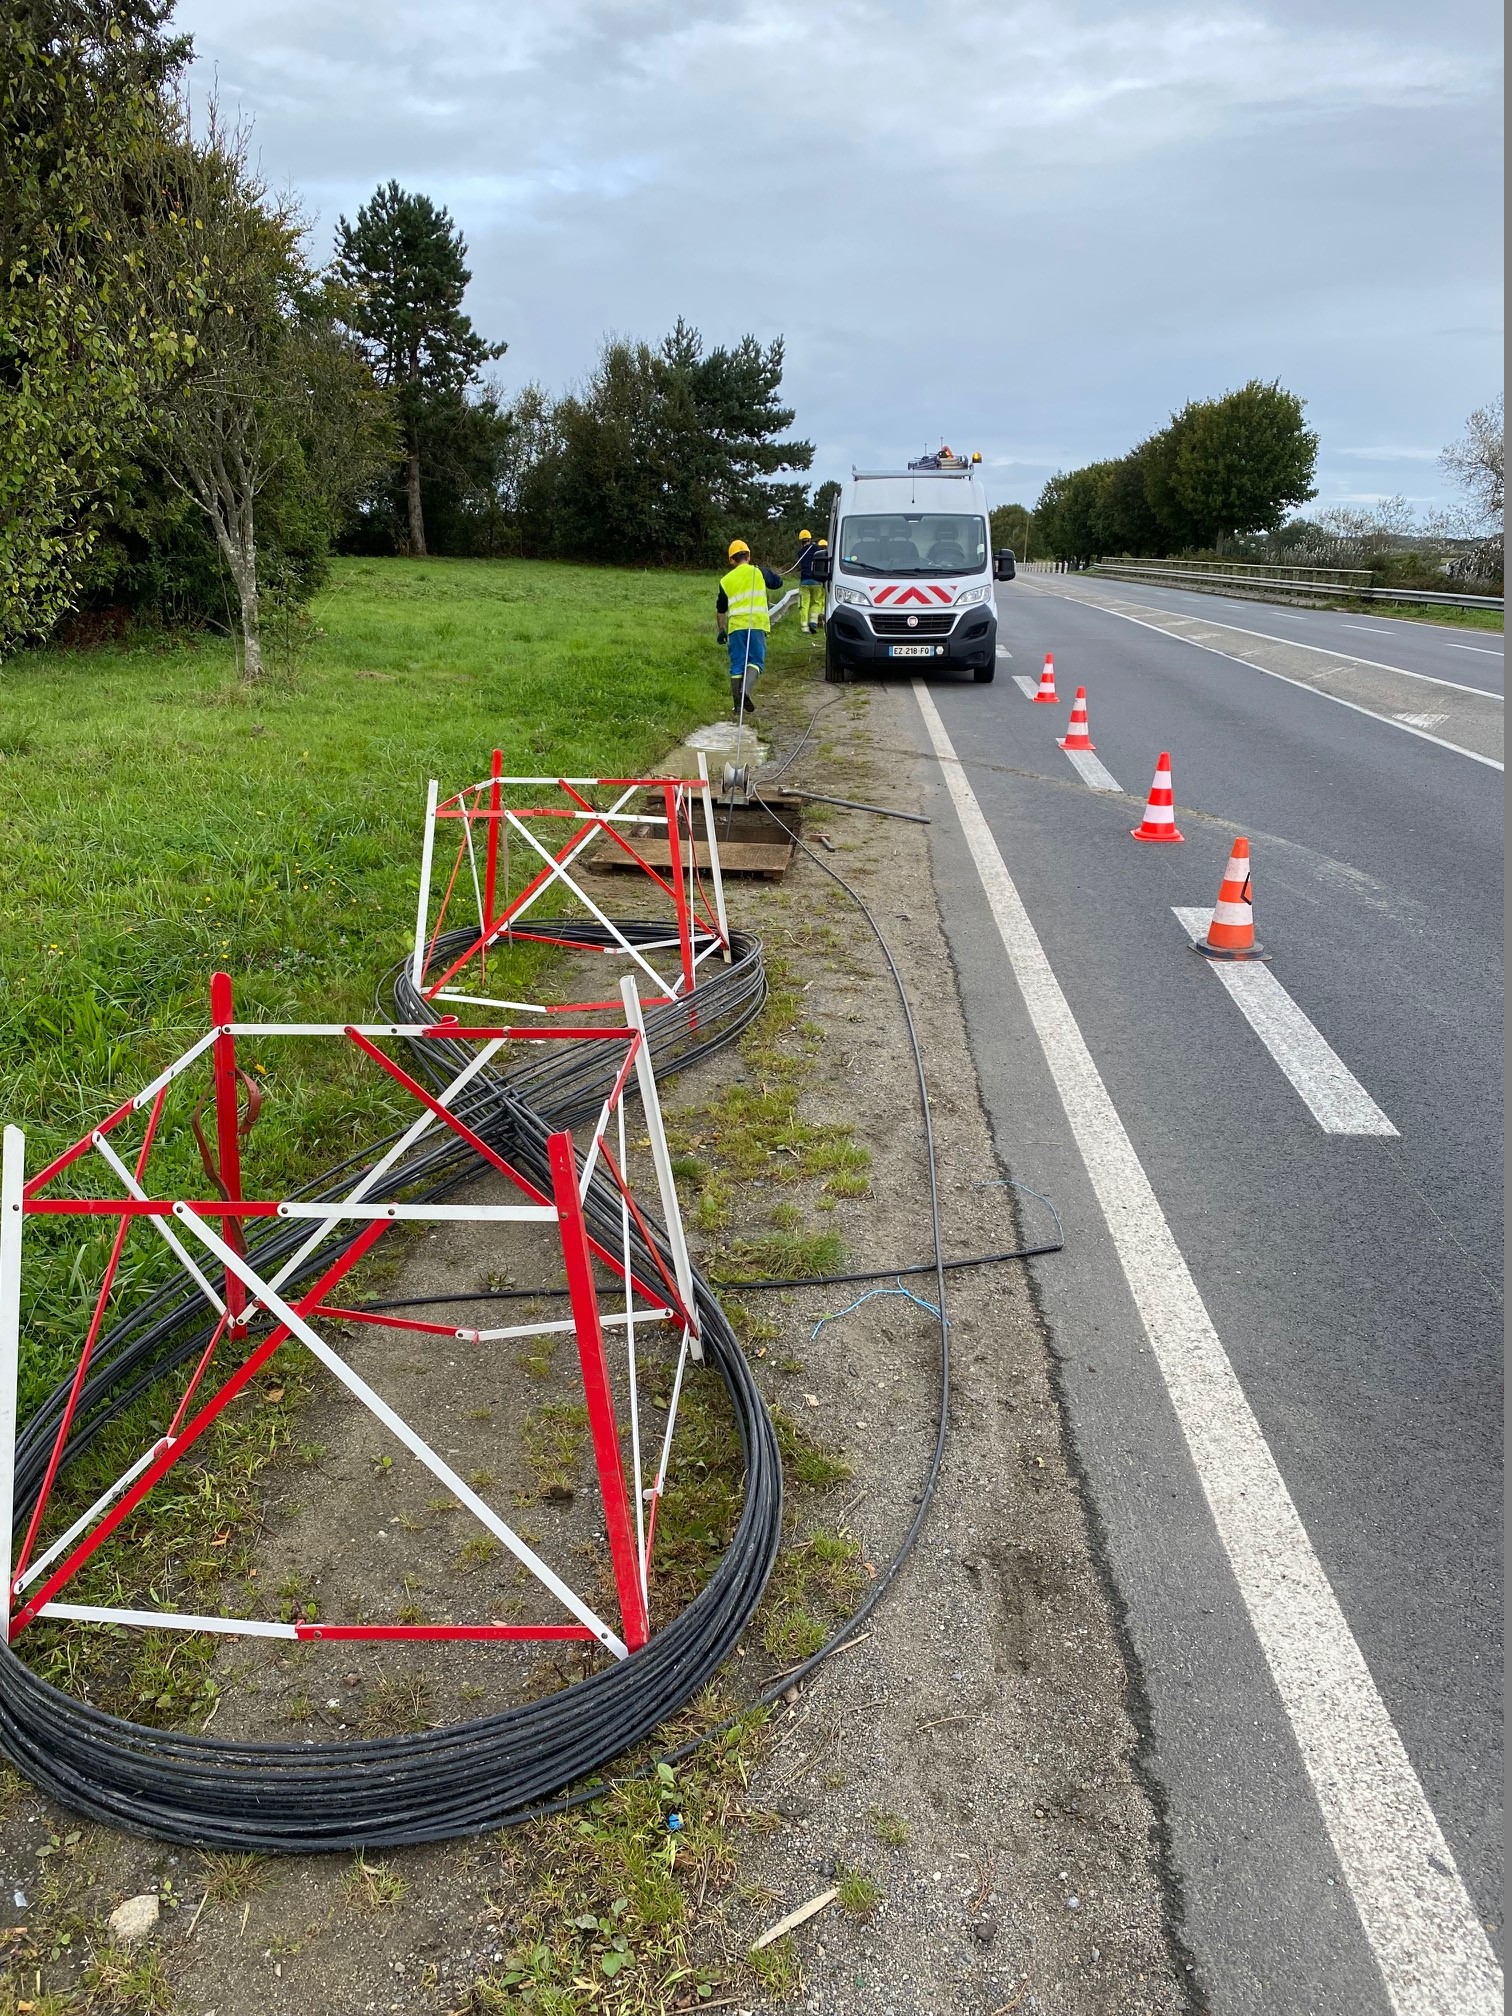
{"x":780,"y":608}
{"x":1252,"y":570}
{"x":1291,"y":582}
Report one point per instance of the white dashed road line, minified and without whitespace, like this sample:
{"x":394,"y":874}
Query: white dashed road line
{"x":1092,"y":773}
{"x":1421,"y":720}
{"x":1027,"y":686}
{"x":1432,"y":1951}
{"x":1481,"y":650}
{"x":1336,"y":1098}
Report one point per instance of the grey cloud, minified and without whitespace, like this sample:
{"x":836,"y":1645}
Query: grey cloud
{"x":1035,"y":229}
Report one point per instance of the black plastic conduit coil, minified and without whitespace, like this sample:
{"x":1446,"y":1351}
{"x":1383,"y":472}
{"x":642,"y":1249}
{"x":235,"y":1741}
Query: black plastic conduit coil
{"x":571,"y":1087}
{"x":468,"y":1776}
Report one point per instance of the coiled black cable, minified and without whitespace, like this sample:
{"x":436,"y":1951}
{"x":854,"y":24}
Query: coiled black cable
{"x":504,"y":1769}
{"x":469,"y":1776}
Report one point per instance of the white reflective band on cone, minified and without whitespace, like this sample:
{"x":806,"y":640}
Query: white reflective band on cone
{"x":1233,"y":913}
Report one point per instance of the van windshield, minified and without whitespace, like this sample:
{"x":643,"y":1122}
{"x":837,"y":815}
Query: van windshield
{"x":913,"y":542}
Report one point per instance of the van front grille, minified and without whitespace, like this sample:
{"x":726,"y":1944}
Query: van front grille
{"x":887,"y":623}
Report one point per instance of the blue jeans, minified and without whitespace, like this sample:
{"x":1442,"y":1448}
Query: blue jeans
{"x":747,"y":657}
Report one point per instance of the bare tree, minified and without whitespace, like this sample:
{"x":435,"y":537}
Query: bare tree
{"x":221,"y":425}
{"x":1475,"y":462}
{"x":265,"y":385}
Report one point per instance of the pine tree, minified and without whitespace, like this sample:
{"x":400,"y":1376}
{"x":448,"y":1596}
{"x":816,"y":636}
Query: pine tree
{"x":404,"y":263}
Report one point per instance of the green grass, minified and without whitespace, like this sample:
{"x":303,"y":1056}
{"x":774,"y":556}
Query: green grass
{"x":163,"y":820}
{"x":859,"y":1895}
{"x":599,"y":1906}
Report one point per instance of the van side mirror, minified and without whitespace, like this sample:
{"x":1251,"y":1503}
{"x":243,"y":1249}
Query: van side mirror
{"x":1003,"y":568}
{"x":821,"y":566}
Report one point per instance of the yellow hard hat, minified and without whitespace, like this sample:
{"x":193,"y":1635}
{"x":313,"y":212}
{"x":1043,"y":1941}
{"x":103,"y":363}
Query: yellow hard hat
{"x":824,"y":542}
{"x":805,"y":535}
{"x":737,"y":546}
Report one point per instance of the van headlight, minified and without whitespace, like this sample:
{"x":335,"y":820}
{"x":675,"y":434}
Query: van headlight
{"x":972,"y":595}
{"x":853,"y":595}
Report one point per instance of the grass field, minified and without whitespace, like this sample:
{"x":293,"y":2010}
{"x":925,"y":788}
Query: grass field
{"x":163,"y":820}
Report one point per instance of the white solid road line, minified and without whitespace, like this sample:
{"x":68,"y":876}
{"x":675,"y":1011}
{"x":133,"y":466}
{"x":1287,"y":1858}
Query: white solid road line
{"x":1338,"y":1101}
{"x":1433,"y":1954}
{"x":1091,"y":772}
{"x":1391,"y":720}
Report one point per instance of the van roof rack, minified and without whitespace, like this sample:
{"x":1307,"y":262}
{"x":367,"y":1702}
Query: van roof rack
{"x":930,"y":468}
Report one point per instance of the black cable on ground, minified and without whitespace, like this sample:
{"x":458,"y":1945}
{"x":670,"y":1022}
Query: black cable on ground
{"x":846,"y":1633}
{"x":723,"y":1282}
{"x":501,"y":1769}
{"x":770,"y":773}
{"x":469,"y":1776}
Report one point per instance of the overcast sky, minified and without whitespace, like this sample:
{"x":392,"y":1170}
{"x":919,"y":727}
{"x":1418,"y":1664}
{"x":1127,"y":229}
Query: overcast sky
{"x":1031,"y":228}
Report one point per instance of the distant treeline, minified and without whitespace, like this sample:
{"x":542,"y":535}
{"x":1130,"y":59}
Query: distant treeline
{"x":1217,"y":483}
{"x":1222,"y":467}
{"x":193,"y":414}
{"x":660,"y":457}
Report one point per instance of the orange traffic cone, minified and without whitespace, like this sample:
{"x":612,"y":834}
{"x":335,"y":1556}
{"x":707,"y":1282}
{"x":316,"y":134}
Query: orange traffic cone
{"x":1159,"y":822}
{"x":1076,"y":735}
{"x":1045,"y":697}
{"x":1231,"y":935}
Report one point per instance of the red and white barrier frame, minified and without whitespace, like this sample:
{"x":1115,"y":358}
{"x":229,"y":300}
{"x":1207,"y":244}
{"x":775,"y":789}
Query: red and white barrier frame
{"x":528,"y":813}
{"x":254,"y":1315}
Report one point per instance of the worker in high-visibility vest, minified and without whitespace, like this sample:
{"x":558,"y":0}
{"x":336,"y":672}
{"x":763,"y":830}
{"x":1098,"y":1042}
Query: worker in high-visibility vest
{"x":744,"y":621}
{"x":810,"y":591}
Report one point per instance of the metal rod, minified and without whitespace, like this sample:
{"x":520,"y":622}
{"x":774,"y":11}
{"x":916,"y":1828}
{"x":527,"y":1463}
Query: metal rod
{"x":87,"y":1518}
{"x":12,"y":1176}
{"x":427,"y":848}
{"x":166,"y":1232}
{"x":401,"y":1430}
{"x":855,"y":805}
{"x":714,"y":871}
{"x":661,"y":1157}
{"x":1115,"y":570}
{"x":228,"y":1128}
{"x":597,"y":1391}
{"x":491,"y":880}
{"x":633,"y":1371}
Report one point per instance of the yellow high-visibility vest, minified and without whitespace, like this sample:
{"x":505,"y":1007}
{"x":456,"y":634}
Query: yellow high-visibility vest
{"x":745,"y":590}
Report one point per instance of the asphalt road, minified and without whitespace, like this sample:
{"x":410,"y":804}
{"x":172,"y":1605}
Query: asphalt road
{"x":1466,"y":657}
{"x":1355,"y":1283}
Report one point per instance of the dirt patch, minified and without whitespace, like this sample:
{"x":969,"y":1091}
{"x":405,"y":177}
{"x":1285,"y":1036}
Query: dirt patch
{"x":965,"y":1776}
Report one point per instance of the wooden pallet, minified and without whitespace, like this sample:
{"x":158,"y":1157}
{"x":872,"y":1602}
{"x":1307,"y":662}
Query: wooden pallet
{"x":770,"y":858}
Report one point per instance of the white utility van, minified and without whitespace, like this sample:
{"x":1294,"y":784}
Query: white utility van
{"x":911,"y":572}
